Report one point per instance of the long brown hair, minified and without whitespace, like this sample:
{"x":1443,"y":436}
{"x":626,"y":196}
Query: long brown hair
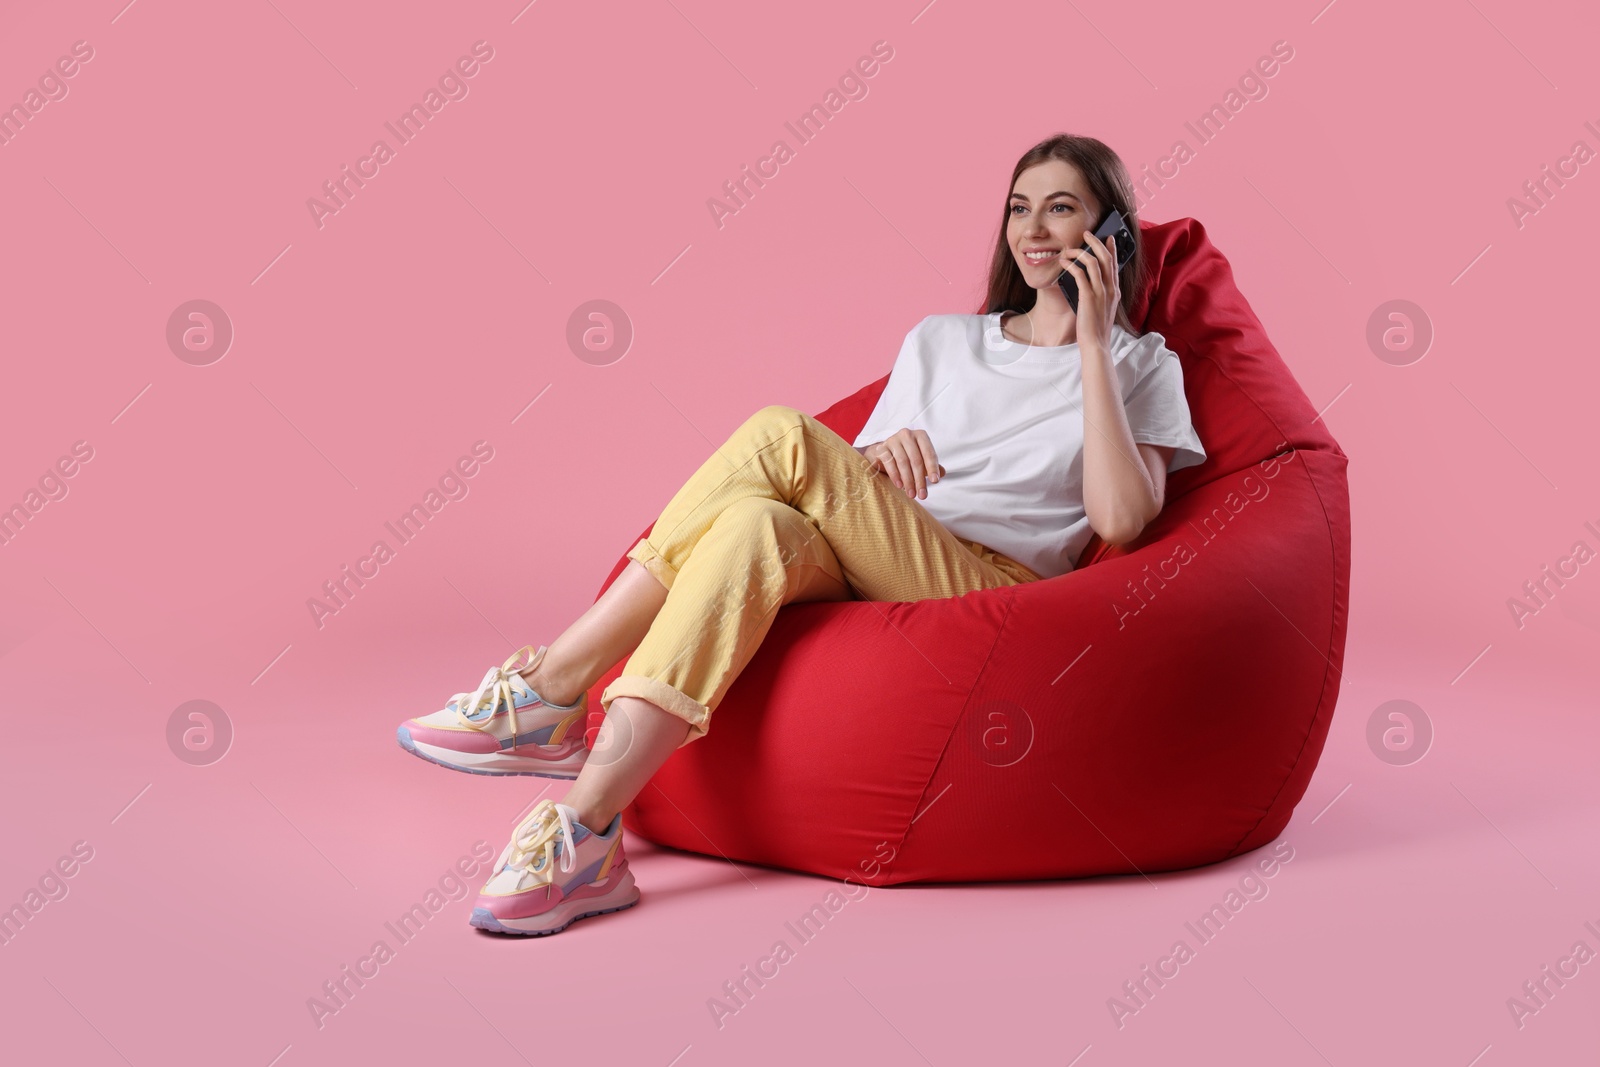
{"x":1108,"y":181}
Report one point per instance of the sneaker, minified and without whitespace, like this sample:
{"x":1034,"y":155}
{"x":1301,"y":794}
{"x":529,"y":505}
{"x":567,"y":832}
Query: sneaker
{"x":503,"y":727}
{"x":554,"y":872}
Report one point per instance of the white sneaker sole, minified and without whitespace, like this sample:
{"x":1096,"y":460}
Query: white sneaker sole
{"x":563,"y":915}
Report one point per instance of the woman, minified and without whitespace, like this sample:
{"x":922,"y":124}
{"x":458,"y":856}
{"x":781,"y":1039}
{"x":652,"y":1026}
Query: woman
{"x":1000,"y":444}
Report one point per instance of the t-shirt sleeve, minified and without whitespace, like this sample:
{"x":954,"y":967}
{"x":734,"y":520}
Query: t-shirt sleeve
{"x":895,"y":407}
{"x":1158,"y":411}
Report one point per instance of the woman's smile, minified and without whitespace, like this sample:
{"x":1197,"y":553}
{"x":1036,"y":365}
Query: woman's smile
{"x":1049,"y":210}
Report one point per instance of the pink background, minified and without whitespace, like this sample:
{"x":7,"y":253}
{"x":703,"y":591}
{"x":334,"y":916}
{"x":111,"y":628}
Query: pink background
{"x":371,"y":353}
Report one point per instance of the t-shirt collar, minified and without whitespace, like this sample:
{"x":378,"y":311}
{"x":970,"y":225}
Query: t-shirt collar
{"x":1017,"y":352}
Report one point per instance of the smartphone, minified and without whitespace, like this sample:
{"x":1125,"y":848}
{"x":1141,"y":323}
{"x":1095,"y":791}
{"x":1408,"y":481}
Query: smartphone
{"x":1113,"y":226}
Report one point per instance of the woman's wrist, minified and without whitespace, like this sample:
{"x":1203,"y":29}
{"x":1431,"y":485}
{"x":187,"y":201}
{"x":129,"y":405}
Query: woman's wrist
{"x":1092,"y":350}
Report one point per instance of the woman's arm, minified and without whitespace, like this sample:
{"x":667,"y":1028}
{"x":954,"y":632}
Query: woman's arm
{"x":1124,"y":482}
{"x":1120,"y":514}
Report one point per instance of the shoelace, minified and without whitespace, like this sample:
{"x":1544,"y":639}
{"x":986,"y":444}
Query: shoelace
{"x":537,"y":834}
{"x":494,"y":690}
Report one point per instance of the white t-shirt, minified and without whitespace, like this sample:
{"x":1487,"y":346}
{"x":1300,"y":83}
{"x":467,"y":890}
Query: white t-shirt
{"x":1006,"y":421}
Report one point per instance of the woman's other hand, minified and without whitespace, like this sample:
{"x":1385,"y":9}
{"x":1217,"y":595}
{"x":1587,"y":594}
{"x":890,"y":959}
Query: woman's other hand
{"x":907,"y":457}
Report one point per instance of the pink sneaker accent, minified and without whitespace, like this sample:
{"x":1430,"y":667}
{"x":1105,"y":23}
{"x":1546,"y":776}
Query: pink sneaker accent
{"x":554,"y":872}
{"x":503,"y":727}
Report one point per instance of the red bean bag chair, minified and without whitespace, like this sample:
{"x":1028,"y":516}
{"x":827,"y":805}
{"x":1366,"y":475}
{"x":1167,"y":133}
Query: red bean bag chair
{"x":1159,"y":707}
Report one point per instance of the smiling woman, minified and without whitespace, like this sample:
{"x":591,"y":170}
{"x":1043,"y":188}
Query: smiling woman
{"x":1051,"y":424}
{"x":787,"y":511}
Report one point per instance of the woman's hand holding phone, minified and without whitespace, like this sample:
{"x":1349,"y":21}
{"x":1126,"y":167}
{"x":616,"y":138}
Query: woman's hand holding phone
{"x":1097,"y":273}
{"x":907,"y":457}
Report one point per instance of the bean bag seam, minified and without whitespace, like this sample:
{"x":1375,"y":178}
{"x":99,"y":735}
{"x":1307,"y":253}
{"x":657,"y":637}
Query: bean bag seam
{"x":944,"y":750}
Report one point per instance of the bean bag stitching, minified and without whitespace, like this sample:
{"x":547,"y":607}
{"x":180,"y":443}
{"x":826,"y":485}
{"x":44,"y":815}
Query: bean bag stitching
{"x":1327,"y":675}
{"x":961,"y":717}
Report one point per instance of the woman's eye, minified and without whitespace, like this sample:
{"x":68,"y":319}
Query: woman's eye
{"x":1015,"y":208}
{"x":1067,"y":207}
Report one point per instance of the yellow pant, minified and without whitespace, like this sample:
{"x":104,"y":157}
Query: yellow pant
{"x":784,"y":511}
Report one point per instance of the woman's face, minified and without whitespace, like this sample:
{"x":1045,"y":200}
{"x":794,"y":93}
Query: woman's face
{"x":1051,"y":208}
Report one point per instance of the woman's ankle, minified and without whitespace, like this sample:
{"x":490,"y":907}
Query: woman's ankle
{"x":552,"y":688}
{"x":589,"y":811}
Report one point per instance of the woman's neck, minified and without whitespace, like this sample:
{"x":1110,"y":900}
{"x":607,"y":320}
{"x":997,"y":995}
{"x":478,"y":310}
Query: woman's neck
{"x":1050,"y":323}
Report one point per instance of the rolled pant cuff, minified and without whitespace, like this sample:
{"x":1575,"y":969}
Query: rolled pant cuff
{"x":663,"y":696}
{"x":645,"y":554}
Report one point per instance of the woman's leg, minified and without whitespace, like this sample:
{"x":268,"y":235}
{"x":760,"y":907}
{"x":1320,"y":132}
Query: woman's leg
{"x":618,"y":621}
{"x":786,"y":510}
{"x":611,"y":628}
{"x":887,"y":550}
{"x":634,"y":742}
{"x":756,"y":557}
